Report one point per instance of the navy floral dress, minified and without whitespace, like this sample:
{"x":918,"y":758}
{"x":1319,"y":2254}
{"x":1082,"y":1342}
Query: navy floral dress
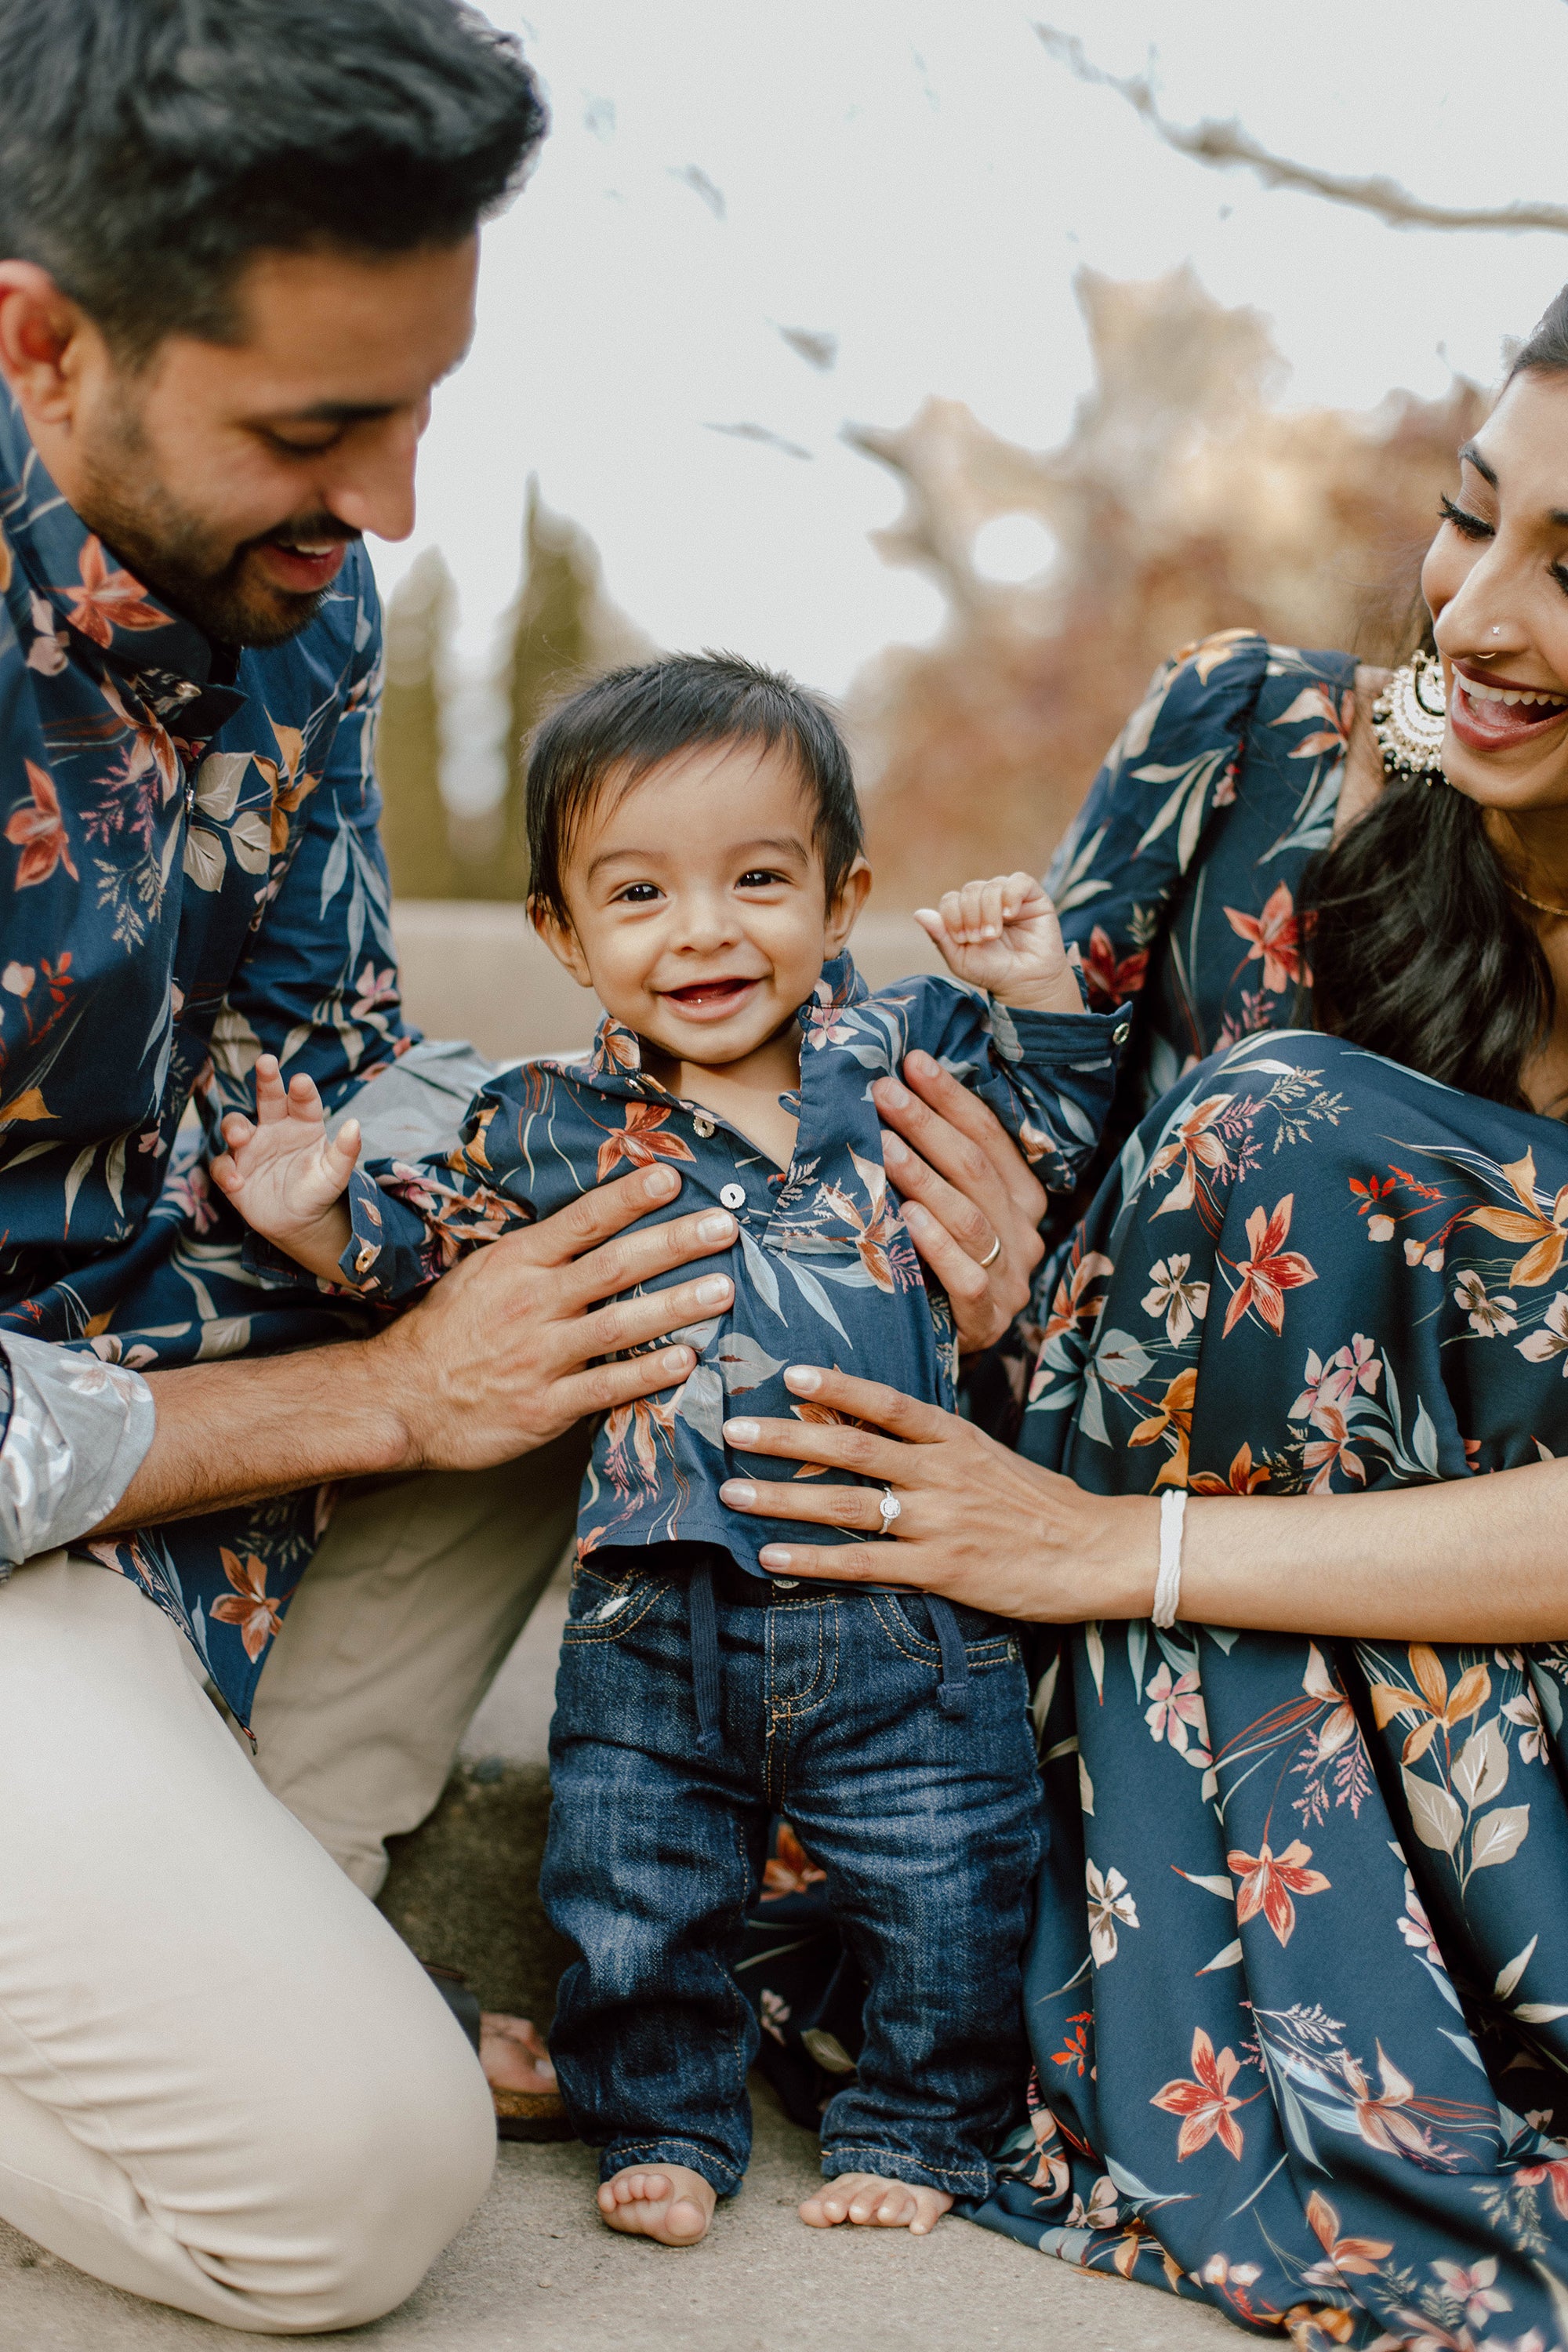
{"x":1296,"y":1995}
{"x":1298,"y":1988}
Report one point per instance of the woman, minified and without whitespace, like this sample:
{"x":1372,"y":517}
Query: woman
{"x":1303,"y":2050}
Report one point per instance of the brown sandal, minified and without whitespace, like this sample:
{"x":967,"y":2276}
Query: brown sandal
{"x":520,"y":2115}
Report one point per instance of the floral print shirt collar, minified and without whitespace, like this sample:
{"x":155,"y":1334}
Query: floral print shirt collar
{"x":615,"y":1063}
{"x":82,"y":598}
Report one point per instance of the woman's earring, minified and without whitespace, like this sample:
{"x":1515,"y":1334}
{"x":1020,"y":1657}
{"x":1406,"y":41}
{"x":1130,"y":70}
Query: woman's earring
{"x":1409,"y":720}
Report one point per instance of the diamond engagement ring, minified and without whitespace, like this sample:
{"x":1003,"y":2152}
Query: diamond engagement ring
{"x":889,"y":1507}
{"x":993,"y":1253}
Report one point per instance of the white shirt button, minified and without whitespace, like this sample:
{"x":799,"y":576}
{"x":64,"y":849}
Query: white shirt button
{"x":733,"y":1196}
{"x":702,"y":1127}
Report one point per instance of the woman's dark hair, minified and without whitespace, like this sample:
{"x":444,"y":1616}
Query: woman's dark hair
{"x":149,"y":148}
{"x":630,"y":722}
{"x":1420,"y":950}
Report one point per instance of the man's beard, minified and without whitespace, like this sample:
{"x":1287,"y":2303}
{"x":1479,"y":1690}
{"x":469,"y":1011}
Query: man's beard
{"x":172,"y":552}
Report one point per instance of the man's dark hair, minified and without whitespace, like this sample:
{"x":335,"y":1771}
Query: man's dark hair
{"x":630,"y":722}
{"x":150,"y":148}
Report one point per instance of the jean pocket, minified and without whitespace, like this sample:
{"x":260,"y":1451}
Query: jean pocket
{"x":906,"y":1620}
{"x":605,"y":1608}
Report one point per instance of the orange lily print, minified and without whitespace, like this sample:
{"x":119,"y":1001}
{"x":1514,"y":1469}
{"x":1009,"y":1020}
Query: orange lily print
{"x":1243,"y":1479}
{"x":1547,"y":1236}
{"x":1270,"y":1271}
{"x":640,"y":1142}
{"x":289,"y":786}
{"x":1195,"y":1143}
{"x":1174,"y":1414}
{"x":1356,"y":2256}
{"x":872,"y":1234}
{"x":1206,"y":2103}
{"x":1111,"y":979}
{"x":1275,"y":940}
{"x":1268,"y":1880}
{"x":104,"y":601}
{"x":250,"y":1606}
{"x":37,"y":829}
{"x":1444,"y":1710}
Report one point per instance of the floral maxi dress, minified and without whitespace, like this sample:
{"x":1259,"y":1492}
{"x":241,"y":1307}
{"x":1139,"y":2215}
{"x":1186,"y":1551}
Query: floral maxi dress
{"x":1298,"y":1982}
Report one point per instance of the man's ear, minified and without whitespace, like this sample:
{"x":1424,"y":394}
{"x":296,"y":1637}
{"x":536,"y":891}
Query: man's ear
{"x":845,"y":911}
{"x":44,"y":337}
{"x":562,"y":940}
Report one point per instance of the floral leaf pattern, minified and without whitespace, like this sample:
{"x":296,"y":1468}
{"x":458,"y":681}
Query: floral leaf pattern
{"x":189,"y":875}
{"x":1348,"y":1856}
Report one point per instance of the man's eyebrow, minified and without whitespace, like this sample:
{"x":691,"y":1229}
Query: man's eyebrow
{"x":336,"y":412}
{"x":1470,"y":455}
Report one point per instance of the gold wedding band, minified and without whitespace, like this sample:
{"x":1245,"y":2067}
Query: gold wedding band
{"x":991,"y":1254}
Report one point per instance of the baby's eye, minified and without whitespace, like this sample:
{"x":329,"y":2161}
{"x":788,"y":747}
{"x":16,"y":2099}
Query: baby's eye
{"x":637,"y":894}
{"x":757,"y":879}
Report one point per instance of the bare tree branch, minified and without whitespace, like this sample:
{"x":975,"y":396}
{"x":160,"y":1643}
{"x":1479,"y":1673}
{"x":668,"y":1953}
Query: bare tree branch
{"x":1224,"y":144}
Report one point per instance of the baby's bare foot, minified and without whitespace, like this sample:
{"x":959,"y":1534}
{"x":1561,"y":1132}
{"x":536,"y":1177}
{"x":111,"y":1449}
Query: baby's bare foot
{"x":664,"y":2202}
{"x":867,"y":2198}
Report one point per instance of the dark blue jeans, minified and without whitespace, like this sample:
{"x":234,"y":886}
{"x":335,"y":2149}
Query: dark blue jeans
{"x":928,"y":1824}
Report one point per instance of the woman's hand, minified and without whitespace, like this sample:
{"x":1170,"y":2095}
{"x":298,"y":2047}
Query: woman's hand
{"x":966,"y":1186}
{"x":974,"y":1521}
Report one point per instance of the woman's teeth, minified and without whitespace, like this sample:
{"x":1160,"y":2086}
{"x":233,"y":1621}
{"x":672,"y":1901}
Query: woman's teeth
{"x":1477,"y":692}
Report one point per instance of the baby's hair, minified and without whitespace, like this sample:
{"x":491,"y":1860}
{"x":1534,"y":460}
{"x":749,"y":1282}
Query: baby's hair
{"x":631,"y":721}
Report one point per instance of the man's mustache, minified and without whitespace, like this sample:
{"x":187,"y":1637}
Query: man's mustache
{"x":317,"y":529}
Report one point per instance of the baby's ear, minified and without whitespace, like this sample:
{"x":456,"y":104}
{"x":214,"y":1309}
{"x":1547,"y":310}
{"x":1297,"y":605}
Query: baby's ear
{"x":561,"y":940}
{"x":844,"y":910}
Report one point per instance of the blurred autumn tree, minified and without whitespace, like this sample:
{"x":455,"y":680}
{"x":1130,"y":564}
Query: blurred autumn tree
{"x":1183,"y":502}
{"x":559,"y":630}
{"x":414,"y":825}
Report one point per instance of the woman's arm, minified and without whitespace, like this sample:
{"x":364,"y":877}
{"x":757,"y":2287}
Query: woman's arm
{"x":1474,"y":1560}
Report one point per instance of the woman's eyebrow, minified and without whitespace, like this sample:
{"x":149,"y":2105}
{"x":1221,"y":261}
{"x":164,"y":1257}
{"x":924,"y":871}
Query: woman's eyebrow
{"x":1470,"y":455}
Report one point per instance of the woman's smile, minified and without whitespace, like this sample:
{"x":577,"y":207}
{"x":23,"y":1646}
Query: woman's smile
{"x":1492,"y":714}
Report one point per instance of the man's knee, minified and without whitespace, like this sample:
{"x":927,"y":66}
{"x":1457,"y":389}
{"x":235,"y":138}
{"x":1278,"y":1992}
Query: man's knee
{"x":376,"y":2176}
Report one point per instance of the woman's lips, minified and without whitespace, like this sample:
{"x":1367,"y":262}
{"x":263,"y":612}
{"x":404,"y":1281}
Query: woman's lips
{"x":710,"y":1000}
{"x":1493,"y":714}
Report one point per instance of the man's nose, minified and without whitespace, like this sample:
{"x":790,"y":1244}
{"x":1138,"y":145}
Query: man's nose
{"x":372,"y":486}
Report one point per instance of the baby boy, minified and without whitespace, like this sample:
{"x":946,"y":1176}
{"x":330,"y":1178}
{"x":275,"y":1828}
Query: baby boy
{"x":696,"y":849}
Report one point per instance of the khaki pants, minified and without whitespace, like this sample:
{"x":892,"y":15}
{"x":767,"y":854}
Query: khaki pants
{"x":224,"y":2083}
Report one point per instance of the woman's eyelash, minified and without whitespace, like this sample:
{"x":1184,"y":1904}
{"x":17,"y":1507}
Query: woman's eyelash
{"x":1462,"y":520}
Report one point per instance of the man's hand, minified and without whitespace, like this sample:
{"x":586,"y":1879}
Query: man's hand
{"x":494,"y":1362}
{"x":964,"y":1186}
{"x":499,"y":1357}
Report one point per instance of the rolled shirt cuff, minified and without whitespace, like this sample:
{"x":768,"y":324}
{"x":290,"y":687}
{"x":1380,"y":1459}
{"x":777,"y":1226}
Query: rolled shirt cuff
{"x":78,"y":1431}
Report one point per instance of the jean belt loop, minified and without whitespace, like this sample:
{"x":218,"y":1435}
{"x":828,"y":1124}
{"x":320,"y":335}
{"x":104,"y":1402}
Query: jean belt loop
{"x":952,"y":1690}
{"x":704,"y":1626}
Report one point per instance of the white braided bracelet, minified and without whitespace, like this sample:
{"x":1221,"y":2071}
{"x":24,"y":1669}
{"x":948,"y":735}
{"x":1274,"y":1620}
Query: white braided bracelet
{"x":1168,"y":1583}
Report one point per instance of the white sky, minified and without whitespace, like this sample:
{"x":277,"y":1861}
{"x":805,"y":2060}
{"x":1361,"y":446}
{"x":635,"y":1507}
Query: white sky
{"x":920,"y":180}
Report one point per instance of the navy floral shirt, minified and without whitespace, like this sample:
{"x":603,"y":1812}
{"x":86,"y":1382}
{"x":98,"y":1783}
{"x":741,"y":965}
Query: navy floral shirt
{"x":827,"y":1273}
{"x":190,"y":875}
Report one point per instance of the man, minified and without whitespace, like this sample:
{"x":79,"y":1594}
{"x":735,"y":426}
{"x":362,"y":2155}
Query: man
{"x":240,"y":239}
